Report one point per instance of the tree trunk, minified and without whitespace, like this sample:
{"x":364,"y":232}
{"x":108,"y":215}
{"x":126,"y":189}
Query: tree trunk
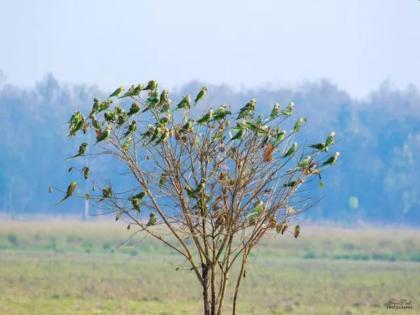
{"x":206,"y":304}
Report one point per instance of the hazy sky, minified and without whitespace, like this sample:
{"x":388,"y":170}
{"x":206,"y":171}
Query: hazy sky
{"x":355,"y":43}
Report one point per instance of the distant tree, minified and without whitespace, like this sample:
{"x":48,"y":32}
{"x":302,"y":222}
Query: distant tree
{"x":208,"y":185}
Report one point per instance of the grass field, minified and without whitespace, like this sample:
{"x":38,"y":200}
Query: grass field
{"x":69,"y":267}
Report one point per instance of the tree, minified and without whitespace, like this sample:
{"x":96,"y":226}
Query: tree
{"x":207,"y":185}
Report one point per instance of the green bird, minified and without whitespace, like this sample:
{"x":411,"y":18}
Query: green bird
{"x":135,"y":202}
{"x":152,"y":220}
{"x":200,"y":94}
{"x":151,"y":85}
{"x":109,"y":116}
{"x":77,"y":122}
{"x":132,"y":127}
{"x":127,"y":143}
{"x":157,"y":133}
{"x":299,"y":123}
{"x":140,"y":195}
{"x":305,"y":162}
{"x":117,"y":92}
{"x":185,"y":102}
{"x":291,"y":150}
{"x":165,"y":119}
{"x":239,"y":134}
{"x":164,"y":101}
{"x":103,"y":135}
{"x":221,"y":113}
{"x":279,"y":136}
{"x":85,"y":172}
{"x":104,"y":105}
{"x":122,"y":118}
{"x":288,"y":111}
{"x":134,"y":90}
{"x":107,"y":192}
{"x":319,"y":146}
{"x":187,"y":127}
{"x":330,"y":139}
{"x":296,"y":232}
{"x":332,"y":159}
{"x":95,"y":107}
{"x":164,"y":137}
{"x":82,"y":151}
{"x":70,"y":191}
{"x":248,"y":109}
{"x":134,"y":109}
{"x":256,"y":211}
{"x":95,"y":122}
{"x":275,"y":112}
{"x":206,"y":118}
{"x":163,"y":179}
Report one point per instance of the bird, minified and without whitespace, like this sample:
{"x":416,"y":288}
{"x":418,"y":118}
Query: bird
{"x":101,"y":136}
{"x":288,"y":111}
{"x":319,"y":146}
{"x":152,"y":219}
{"x":109,"y":116}
{"x":275,"y":112}
{"x":151,"y":85}
{"x":76,"y":123}
{"x":279,"y":136}
{"x":299,"y":123}
{"x":200,"y":94}
{"x":291,"y":150}
{"x":135,"y":108}
{"x":185,"y":102}
{"x":135,"y":202}
{"x":296,"y":232}
{"x":95,"y":107}
{"x":330,"y":139}
{"x":256,"y":211}
{"x":107,"y":192}
{"x":164,"y":100}
{"x":206,"y":118}
{"x":305,"y":162}
{"x":187,"y":127}
{"x":82,"y":151}
{"x":70,"y":191}
{"x":221,"y":113}
{"x":95,"y":122}
{"x":248,"y":109}
{"x":132,"y":127}
{"x":104,"y":105}
{"x":332,"y":159}
{"x":85,"y":172}
{"x":127,"y":143}
{"x":117,"y":92}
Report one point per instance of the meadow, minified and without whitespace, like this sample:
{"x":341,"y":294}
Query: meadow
{"x":72,"y":267}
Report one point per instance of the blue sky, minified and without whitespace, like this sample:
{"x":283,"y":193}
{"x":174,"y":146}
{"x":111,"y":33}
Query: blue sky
{"x":355,"y":43}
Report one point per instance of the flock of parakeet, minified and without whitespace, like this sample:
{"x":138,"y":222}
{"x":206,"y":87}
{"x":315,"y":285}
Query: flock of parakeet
{"x":161,"y":132}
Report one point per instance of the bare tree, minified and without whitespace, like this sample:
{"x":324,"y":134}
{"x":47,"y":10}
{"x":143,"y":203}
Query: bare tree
{"x":211,"y":185}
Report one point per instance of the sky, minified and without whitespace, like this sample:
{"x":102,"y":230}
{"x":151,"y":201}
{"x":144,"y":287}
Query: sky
{"x":357,"y":44}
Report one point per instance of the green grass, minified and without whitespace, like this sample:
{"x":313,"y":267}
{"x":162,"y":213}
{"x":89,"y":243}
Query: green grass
{"x":67,"y":267}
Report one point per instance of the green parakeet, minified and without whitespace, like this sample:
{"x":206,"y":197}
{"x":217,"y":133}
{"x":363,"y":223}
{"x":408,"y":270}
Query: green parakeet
{"x":206,"y":118}
{"x":86,"y":172}
{"x":132,"y":127}
{"x":332,"y":159}
{"x":296,"y":232}
{"x":200,"y":94}
{"x":107,"y":192}
{"x":185,"y":102}
{"x":299,"y":123}
{"x":291,"y":150}
{"x":134,"y":109}
{"x":279,"y":136}
{"x":152,"y":220}
{"x":187,"y":127}
{"x":95,"y":123}
{"x":151,"y":85}
{"x":109,"y":116}
{"x":330,"y":139}
{"x":95,"y":107}
{"x":305,"y":162}
{"x":117,"y":92}
{"x":82,"y":151}
{"x":319,"y":146}
{"x":103,"y":135}
{"x":288,"y":111}
{"x":70,"y":191}
{"x":248,"y":109}
{"x":275,"y":112}
{"x":221,"y":113}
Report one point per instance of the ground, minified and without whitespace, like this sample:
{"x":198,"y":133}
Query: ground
{"x":70,"y":267}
